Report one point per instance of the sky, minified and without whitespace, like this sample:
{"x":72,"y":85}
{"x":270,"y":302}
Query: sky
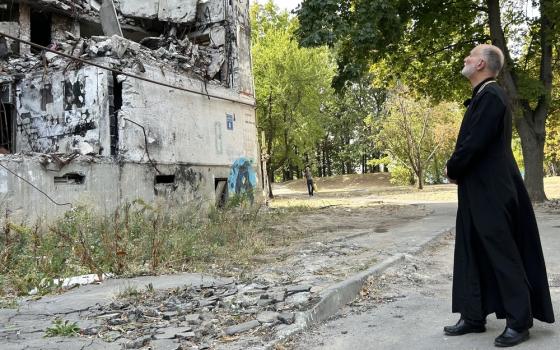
{"x":283,"y":4}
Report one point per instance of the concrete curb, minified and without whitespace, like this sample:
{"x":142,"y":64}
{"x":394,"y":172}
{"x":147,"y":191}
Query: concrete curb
{"x":342,"y":293}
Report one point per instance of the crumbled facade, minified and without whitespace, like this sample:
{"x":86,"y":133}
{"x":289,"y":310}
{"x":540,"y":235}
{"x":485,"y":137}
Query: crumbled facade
{"x":91,"y":135}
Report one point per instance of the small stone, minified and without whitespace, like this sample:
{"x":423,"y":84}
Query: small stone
{"x":169,"y":315}
{"x":265,"y":302}
{"x":91,"y":331}
{"x":344,"y":332}
{"x":267,"y":317}
{"x":193,"y":319}
{"x":205,"y":303}
{"x":186,"y":335}
{"x":298,"y":289}
{"x":242,"y":327}
{"x":287,"y":317}
{"x":298,"y":299}
{"x":150,"y":312}
{"x":138,"y":343}
{"x":116,"y":322}
{"x":171,"y":333}
{"x":111,"y":336}
{"x":165,"y":344}
{"x":109,"y":316}
{"x":278,"y":297}
{"x":116,"y":305}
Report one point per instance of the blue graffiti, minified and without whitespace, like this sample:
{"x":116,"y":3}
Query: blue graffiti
{"x":242,"y":178}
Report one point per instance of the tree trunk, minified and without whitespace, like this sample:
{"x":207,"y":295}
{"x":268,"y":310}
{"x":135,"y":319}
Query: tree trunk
{"x":531,"y":125}
{"x":270,"y":175}
{"x":533,"y":159}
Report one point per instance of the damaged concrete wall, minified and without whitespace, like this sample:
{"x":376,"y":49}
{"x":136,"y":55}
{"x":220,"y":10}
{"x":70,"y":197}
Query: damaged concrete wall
{"x":243,"y":65}
{"x":176,"y":11}
{"x":74,"y":135}
{"x":63,"y":112}
{"x":187,"y":128}
{"x":103,"y":185}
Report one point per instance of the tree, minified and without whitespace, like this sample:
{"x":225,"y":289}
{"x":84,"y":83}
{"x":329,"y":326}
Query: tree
{"x":292,"y":84}
{"x":423,"y":43}
{"x":350,"y":140}
{"x":415,"y":131}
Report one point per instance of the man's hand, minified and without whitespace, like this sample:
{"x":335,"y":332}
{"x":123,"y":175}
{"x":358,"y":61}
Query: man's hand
{"x":449,"y":179}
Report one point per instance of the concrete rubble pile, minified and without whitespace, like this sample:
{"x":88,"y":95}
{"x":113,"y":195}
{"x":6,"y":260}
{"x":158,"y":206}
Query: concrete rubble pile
{"x":196,"y":317}
{"x":183,"y":55}
{"x":169,"y":49}
{"x":78,"y":6}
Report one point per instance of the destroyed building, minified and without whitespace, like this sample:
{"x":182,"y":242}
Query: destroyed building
{"x":158,"y":102}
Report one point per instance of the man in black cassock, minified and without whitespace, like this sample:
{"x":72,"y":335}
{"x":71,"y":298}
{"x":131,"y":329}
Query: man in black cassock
{"x":499,"y":265}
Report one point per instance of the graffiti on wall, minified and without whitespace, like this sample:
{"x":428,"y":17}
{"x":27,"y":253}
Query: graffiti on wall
{"x":242,"y":180}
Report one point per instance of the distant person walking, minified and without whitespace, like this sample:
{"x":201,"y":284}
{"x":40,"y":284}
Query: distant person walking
{"x":499,"y":265}
{"x":309,"y":178}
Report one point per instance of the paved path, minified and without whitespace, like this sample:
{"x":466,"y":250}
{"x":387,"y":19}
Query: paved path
{"x":414,"y":304}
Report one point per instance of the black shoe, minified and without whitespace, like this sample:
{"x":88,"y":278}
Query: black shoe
{"x":511,"y":337}
{"x":463,"y":327}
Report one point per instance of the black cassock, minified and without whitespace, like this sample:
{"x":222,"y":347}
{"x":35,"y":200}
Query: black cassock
{"x":499,"y":265}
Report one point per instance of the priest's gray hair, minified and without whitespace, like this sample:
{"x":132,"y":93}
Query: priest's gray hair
{"x":494,"y":58}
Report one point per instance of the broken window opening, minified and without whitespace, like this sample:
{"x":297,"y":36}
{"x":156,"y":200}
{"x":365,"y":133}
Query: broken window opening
{"x":9,"y":12}
{"x":115,"y":88}
{"x":70,"y":179}
{"x":7,"y":135}
{"x":41,"y":29}
{"x":89,"y":29}
{"x":165,"y":179}
{"x":220,"y":187}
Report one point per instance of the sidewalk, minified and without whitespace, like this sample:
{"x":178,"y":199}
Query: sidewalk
{"x":320,"y":298}
{"x":415,"y":304}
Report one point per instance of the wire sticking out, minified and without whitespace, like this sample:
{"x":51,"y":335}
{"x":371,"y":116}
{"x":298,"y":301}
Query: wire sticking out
{"x":146,"y":143}
{"x":35,"y":187}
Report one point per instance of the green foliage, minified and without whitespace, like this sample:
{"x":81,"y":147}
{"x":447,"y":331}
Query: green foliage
{"x":352,"y":129}
{"x":128,"y":291}
{"x":422,"y":45}
{"x":397,"y":31}
{"x":292,"y":85}
{"x":401,"y":175}
{"x":62,"y":328}
{"x":418,"y":136}
{"x":137,"y":238}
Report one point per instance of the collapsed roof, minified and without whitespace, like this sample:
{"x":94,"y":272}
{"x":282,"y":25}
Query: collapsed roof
{"x":196,"y":37}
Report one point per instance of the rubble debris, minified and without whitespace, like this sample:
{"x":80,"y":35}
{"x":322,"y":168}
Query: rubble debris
{"x":243,"y":327}
{"x":198,"y":315}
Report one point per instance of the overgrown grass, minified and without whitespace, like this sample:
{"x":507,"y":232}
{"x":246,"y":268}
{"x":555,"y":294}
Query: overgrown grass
{"x":138,"y":238}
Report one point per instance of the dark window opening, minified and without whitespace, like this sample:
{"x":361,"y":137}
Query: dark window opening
{"x":71,"y":179}
{"x":9,"y":12}
{"x":115,"y":91}
{"x":41,"y":27}
{"x":220,"y":187}
{"x":89,"y":29}
{"x":165,"y":179}
{"x":7,"y":137}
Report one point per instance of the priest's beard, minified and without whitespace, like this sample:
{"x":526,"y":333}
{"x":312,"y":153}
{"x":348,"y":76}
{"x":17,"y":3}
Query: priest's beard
{"x":468,"y":71}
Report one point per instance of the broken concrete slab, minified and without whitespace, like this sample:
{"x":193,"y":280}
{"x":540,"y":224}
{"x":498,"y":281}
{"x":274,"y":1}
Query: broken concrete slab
{"x":109,"y":19}
{"x":139,"y":9}
{"x":242,"y":327}
{"x":177,"y":11}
